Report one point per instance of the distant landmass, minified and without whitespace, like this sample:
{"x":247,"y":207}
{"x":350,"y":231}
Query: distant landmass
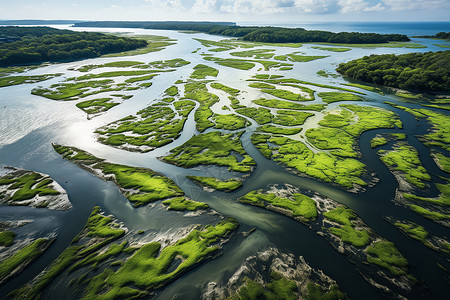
{"x":38,"y":22}
{"x":266,"y":34}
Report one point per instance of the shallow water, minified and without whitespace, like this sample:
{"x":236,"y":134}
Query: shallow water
{"x":30,"y":124}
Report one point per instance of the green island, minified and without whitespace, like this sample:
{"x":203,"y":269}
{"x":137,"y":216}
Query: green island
{"x":386,"y":255}
{"x":152,"y":127}
{"x":243,"y":64}
{"x":96,"y":106}
{"x":132,"y":280}
{"x":294,"y":57}
{"x":155,"y":43}
{"x":139,"y":185}
{"x":346,"y":172}
{"x":331,"y":97}
{"x":228,"y":185}
{"x":40,"y":44}
{"x":267,"y":34}
{"x":260,"y":115}
{"x":6,"y":238}
{"x":383,"y":139}
{"x":201,"y":71}
{"x":183,"y":203}
{"x":340,"y":129}
{"x":412,"y":71}
{"x":332,"y":220}
{"x":404,"y":160}
{"x":281,"y":104}
{"x":298,"y":206}
{"x":229,"y":122}
{"x":279,"y":130}
{"x":212,"y":148}
{"x":29,"y":188}
{"x":14,"y":80}
{"x":419,"y":233}
{"x":256,"y":54}
{"x":198,"y":92}
{"x":366,"y":87}
{"x":14,"y":264}
{"x":442,"y":161}
{"x":233,"y":92}
{"x":332,"y":49}
{"x":345,"y":229}
{"x":327,"y":74}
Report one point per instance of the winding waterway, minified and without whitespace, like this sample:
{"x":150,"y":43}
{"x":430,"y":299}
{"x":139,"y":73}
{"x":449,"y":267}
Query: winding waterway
{"x":29,"y":124}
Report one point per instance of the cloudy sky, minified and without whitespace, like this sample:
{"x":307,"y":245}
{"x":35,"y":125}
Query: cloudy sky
{"x":229,"y":10}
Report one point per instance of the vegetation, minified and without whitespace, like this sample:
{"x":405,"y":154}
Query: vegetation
{"x":366,"y":87}
{"x":346,"y":229}
{"x":405,"y":159}
{"x":315,"y":292}
{"x":257,"y":53}
{"x":260,"y":115}
{"x":212,"y":148}
{"x":414,"y":71}
{"x":378,"y":141}
{"x":201,"y":71}
{"x":339,"y":131}
{"x":7,"y":238}
{"x":386,"y":255}
{"x":442,"y":200}
{"x":280,"y":104}
{"x":330,"y":97}
{"x":294,"y":57}
{"x":155,"y":43}
{"x":98,"y":232}
{"x":227,"y":89}
{"x":33,"y":45}
{"x":229,"y":122}
{"x":259,"y":34}
{"x":345,"y":172}
{"x":439,"y":35}
{"x":14,"y":80}
{"x":279,"y":130}
{"x":22,"y":258}
{"x":132,"y":279}
{"x":96,"y":106}
{"x":299,"y":206}
{"x":20,"y":186}
{"x":443,"y":161}
{"x":139,"y":185}
{"x":419,"y":233}
{"x":291,"y":118}
{"x":183,"y":203}
{"x":333,"y":49}
{"x":217,"y":184}
{"x":232,"y":63}
{"x":152,"y":127}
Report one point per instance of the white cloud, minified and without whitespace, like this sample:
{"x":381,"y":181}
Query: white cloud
{"x":417,"y":4}
{"x":349,"y":6}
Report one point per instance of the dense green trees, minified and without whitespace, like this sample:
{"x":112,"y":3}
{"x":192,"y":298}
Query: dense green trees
{"x":414,"y":71}
{"x":29,"y":45}
{"x":259,"y":34}
{"x":439,"y":35}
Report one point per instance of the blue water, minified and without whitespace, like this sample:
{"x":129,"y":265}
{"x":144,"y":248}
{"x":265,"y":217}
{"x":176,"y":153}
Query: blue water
{"x":408,"y":28}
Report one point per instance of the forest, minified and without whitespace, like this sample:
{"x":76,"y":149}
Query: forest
{"x":32,"y":45}
{"x":413,"y":71}
{"x":259,"y":34}
{"x":439,"y":35}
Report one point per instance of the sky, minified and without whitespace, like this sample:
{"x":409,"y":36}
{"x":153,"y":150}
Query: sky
{"x":241,"y":11}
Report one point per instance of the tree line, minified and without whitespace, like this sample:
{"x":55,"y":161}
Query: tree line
{"x":439,"y":35}
{"x":259,"y":34}
{"x":31,"y":45}
{"x":413,"y":71}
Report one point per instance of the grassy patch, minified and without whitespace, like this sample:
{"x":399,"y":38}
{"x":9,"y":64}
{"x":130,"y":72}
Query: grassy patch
{"x":332,"y":49}
{"x":217,"y":184}
{"x":201,"y":71}
{"x":7,"y":238}
{"x":257,"y":53}
{"x":23,"y":257}
{"x":15,"y":80}
{"x":154,"y":43}
{"x":386,"y":255}
{"x":96,"y":106}
{"x":366,"y":87}
{"x":294,"y":57}
{"x":323,"y":166}
{"x":346,"y":231}
{"x":315,"y":292}
{"x":25,"y":185}
{"x":405,"y":159}
{"x":278,"y":130}
{"x":139,"y":185}
{"x":233,"y":92}
{"x":232,"y":63}
{"x":212,"y":148}
{"x":330,"y":97}
{"x":154,"y":126}
{"x":291,"y":118}
{"x":114,"y":64}
{"x":298,"y":205}
{"x":432,"y":215}
{"x":148,"y":268}
{"x":280,"y":104}
{"x":183,"y":203}
{"x":413,"y":230}
{"x":229,"y":122}
{"x":378,"y":141}
{"x":98,"y":232}
{"x":260,"y":115}
{"x":443,"y":161}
